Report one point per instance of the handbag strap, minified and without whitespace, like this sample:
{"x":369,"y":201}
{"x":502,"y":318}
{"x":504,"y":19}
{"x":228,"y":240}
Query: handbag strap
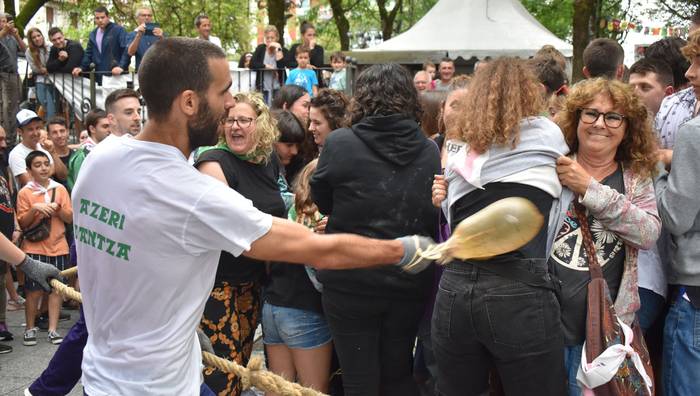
{"x":593,"y":265}
{"x":53,"y":194}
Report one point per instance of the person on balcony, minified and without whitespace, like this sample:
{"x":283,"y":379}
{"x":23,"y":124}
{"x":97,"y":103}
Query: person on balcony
{"x":106,"y":44}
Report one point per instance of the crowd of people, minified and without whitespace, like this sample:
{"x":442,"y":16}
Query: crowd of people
{"x":299,"y":209}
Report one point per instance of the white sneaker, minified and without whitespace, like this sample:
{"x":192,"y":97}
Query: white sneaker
{"x":55,"y":338}
{"x":30,"y":336}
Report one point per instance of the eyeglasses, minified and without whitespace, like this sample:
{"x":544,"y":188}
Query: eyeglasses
{"x":610,"y":119}
{"x":243,"y":122}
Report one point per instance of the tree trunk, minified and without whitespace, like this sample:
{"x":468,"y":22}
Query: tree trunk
{"x":275,"y":16}
{"x":27,"y":13}
{"x":342,"y":23}
{"x":10,"y":7}
{"x":583,"y":10}
{"x":388,"y":17}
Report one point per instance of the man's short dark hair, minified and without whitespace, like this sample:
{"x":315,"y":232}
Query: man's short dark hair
{"x":101,"y":10}
{"x":198,"y":19}
{"x":34,"y":154}
{"x":118,"y":95}
{"x":93,"y":117}
{"x":602,"y":56}
{"x":669,"y":50}
{"x":56,"y":120}
{"x":385,"y":89}
{"x":186,"y":63}
{"x":302,"y":49}
{"x":447,"y":59}
{"x":286,"y":96}
{"x":664,"y":74}
{"x":548,"y":72}
{"x":55,"y":30}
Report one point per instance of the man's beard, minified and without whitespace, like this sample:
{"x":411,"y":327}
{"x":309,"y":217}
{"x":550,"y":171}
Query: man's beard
{"x":203,"y":131}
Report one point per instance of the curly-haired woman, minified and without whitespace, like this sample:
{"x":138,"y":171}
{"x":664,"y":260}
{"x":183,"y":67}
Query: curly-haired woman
{"x":374,"y":179}
{"x":495,"y":313}
{"x":328,"y":112}
{"x":609,"y":172}
{"x":244,"y":160}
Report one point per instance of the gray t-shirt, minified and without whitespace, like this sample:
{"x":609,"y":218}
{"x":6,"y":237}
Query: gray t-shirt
{"x":12,"y":49}
{"x":569,"y":262}
{"x":270,"y":80}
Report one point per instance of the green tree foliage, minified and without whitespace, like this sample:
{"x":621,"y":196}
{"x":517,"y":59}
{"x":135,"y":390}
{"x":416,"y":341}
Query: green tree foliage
{"x":232,"y":20}
{"x":388,"y":17}
{"x":675,"y":11}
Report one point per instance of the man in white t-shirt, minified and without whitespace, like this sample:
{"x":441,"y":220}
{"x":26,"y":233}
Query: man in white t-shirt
{"x":203,"y":25}
{"x":29,"y":126}
{"x":149,"y":236}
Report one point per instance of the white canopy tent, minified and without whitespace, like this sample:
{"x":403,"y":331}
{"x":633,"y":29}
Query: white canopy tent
{"x":466,"y":28}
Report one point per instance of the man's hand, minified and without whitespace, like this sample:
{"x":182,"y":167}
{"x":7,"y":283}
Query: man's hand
{"x":47,"y":144}
{"x":665,"y":156}
{"x":117,"y":71}
{"x":204,"y":342}
{"x":141,"y":29}
{"x":158,"y":32}
{"x":62,"y":55}
{"x":39,"y":272}
{"x":412,"y":261}
{"x":76,"y":72}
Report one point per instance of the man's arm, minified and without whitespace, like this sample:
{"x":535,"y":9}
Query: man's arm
{"x":134,"y":44}
{"x":677,"y":193}
{"x":292,"y":242}
{"x":53,"y":64}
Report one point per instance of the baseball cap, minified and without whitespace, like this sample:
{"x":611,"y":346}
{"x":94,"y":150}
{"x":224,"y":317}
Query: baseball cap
{"x":26,"y":116}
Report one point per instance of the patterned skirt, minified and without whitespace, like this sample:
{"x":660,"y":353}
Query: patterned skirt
{"x":230,"y":318}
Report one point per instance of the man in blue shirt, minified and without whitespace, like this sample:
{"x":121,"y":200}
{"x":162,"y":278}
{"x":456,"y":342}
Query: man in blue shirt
{"x":141,"y":39}
{"x":106,"y":45}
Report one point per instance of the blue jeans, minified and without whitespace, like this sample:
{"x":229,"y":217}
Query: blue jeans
{"x":681,"y":361}
{"x":295,"y":328}
{"x":45,"y":95}
{"x":572,"y":361}
{"x":652,"y":305}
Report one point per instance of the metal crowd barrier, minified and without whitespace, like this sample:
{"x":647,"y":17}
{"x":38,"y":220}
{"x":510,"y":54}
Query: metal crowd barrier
{"x":78,"y":95}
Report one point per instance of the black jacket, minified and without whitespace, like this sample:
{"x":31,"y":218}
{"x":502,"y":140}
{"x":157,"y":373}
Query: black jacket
{"x":257,"y":62}
{"x":375,"y":179}
{"x":75,"y":56}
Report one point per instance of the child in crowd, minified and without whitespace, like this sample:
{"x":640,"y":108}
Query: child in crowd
{"x":429,"y":67}
{"x":43,"y":200}
{"x":339,"y":74}
{"x":304,"y":76}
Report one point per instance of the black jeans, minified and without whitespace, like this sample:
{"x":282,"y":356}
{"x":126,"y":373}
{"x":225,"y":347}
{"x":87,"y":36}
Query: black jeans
{"x":374,"y":339}
{"x":483,"y":321}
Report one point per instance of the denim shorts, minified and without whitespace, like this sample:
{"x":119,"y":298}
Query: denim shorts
{"x":295,"y":328}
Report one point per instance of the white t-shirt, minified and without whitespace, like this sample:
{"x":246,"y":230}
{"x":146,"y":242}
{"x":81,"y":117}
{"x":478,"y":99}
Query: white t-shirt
{"x":149,"y":229}
{"x":215,"y":40}
{"x":18,"y":156}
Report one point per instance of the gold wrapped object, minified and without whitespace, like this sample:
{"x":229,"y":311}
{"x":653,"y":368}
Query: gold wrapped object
{"x":499,"y":228}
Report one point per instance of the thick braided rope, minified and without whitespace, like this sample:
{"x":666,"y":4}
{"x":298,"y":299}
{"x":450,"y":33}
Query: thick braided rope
{"x":252,"y":375}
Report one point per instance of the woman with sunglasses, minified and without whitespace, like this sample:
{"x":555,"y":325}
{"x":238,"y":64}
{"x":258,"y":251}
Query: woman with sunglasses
{"x":244,"y":160}
{"x":609,"y":172}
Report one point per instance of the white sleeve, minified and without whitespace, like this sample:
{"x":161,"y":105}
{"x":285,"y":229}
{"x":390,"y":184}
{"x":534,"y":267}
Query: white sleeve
{"x":222,"y":219}
{"x":17,"y":164}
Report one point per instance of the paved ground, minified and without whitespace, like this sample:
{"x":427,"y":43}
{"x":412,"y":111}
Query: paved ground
{"x":24,"y":364}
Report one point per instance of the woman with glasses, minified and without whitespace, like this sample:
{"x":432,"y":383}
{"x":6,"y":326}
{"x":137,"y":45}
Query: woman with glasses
{"x":609,"y":172}
{"x":244,"y":160}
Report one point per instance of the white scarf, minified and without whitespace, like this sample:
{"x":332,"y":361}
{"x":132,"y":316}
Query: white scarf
{"x":38,"y":189}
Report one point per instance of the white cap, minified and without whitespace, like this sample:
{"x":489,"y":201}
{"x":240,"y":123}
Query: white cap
{"x":26,"y":116}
